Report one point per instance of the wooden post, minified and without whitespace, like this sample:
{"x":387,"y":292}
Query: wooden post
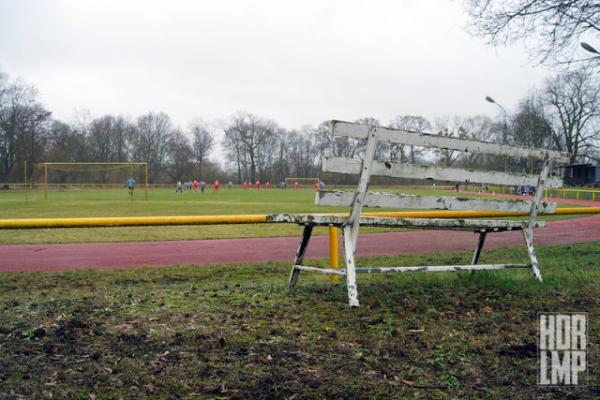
{"x":25,"y":175}
{"x":45,"y":181}
{"x":334,"y":258}
{"x":349,"y":245}
{"x":535,"y":207}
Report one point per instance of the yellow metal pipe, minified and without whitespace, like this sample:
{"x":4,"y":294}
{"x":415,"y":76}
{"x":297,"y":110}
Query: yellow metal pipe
{"x":131,"y":221}
{"x":334,"y":258}
{"x":579,"y":190}
{"x":479,"y":214}
{"x":250,"y":218}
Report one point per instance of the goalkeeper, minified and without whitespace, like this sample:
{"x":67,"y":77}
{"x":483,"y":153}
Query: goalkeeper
{"x":131,"y":186}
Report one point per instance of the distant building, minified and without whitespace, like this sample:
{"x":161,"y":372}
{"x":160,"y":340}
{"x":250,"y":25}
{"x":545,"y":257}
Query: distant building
{"x":580,"y":174}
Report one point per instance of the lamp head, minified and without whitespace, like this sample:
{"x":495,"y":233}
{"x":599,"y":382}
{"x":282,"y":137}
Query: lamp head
{"x":589,"y":48}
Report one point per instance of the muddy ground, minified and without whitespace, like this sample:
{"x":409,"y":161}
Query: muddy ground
{"x":237,"y":332}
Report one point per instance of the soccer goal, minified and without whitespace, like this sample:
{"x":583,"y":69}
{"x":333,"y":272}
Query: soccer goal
{"x":88,"y":175}
{"x":289,"y":182}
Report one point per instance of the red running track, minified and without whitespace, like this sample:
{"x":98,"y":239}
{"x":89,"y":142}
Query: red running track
{"x":62,"y":257}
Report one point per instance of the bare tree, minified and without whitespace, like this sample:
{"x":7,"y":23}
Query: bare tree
{"x":450,"y":128}
{"x":100,"y":138}
{"x":573,"y":101}
{"x":281,"y":167}
{"x":234,"y":148}
{"x":248,"y":140}
{"x":202,"y":142}
{"x":121,"y":132}
{"x":303,"y":153}
{"x":555,"y":25}
{"x":329,"y":144}
{"x":414,"y":123}
{"x":180,"y":156}
{"x":531,"y":125}
{"x":24,"y":126}
{"x":151,"y":140}
{"x":478,"y":127}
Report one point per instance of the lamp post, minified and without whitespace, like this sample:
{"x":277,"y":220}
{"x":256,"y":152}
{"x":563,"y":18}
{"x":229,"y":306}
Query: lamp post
{"x":505,"y":133}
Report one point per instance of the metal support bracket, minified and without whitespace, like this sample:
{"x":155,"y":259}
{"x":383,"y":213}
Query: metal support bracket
{"x":308,"y":228}
{"x":477,"y":253}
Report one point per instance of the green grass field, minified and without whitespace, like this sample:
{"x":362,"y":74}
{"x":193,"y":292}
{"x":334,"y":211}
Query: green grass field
{"x":109,"y":203}
{"x":237,"y":332}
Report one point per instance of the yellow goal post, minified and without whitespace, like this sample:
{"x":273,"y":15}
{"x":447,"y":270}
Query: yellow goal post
{"x":57,"y":173}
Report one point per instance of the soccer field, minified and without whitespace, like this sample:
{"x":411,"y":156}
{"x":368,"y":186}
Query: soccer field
{"x":116,"y":203}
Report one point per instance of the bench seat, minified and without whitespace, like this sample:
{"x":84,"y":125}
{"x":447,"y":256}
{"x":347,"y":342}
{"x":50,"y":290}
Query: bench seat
{"x":474,"y":225}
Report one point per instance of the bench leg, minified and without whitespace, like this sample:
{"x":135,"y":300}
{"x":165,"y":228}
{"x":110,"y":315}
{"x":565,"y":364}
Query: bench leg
{"x":528,"y":236}
{"x":300,"y":254}
{"x":477,"y":252}
{"x":350,"y":267}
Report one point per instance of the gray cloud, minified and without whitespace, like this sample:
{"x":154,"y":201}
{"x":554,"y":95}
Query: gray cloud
{"x":294,"y":62}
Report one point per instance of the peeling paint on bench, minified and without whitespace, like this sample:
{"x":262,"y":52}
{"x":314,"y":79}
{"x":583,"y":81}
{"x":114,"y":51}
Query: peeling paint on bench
{"x":400,"y":200}
{"x":362,"y":198}
{"x":357,"y":131}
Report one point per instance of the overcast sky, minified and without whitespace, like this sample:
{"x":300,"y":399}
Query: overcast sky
{"x":296,"y":62}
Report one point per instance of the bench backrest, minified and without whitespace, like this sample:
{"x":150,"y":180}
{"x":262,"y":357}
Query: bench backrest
{"x":368,"y":167}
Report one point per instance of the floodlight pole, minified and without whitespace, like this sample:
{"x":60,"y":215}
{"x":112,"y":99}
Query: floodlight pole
{"x":505,"y":133}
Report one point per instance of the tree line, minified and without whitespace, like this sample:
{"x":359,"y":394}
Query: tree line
{"x":563,"y":115}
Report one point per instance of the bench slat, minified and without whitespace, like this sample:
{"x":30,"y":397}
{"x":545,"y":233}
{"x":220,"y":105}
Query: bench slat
{"x":359,"y":131}
{"x":414,"y":223}
{"x":399,"y":200}
{"x":432,"y":268}
{"x":402,"y":170}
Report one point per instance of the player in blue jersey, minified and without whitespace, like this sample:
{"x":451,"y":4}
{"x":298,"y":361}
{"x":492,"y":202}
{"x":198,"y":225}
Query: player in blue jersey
{"x":131,"y":186}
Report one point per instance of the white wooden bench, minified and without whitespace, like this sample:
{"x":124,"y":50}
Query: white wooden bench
{"x":362,"y":198}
